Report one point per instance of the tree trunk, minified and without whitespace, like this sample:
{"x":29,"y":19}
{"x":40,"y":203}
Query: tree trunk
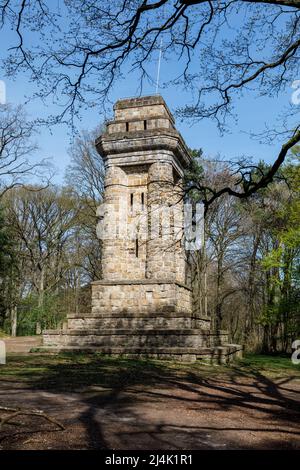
{"x":14,"y":320}
{"x":41,"y":288}
{"x":218,"y":309}
{"x":251,"y":293}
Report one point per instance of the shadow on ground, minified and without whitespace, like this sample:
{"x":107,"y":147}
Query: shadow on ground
{"x":108,"y":403}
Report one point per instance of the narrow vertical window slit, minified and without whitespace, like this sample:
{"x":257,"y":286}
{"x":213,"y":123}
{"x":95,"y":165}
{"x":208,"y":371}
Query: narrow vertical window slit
{"x":143,"y":201}
{"x":136,"y":247}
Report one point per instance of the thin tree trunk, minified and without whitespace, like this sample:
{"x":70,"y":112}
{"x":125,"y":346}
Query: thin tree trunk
{"x":251,"y":294}
{"x":218,"y":310}
{"x":205,"y":270}
{"x":14,"y":320}
{"x":41,"y":288}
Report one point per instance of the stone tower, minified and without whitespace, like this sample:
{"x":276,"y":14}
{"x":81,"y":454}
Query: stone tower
{"x":142,"y":306}
{"x":144,"y":270}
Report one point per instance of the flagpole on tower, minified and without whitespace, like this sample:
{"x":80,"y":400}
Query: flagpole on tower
{"x":158,"y":67}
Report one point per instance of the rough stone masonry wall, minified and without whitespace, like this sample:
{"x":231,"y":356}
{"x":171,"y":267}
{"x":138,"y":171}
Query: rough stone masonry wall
{"x":165,"y":257}
{"x":141,"y":108}
{"x":123,"y":253}
{"x":154,"y":321}
{"x":113,"y":247}
{"x":180,"y":254}
{"x":156,"y":252}
{"x":132,"y":125}
{"x":140,"y":115}
{"x":139,"y":298}
{"x":137,"y":176}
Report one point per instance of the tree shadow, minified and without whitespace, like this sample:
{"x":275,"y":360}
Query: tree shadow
{"x":129,"y":404}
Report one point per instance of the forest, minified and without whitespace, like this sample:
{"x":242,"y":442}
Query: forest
{"x":138,"y":373}
{"x":245,"y":277}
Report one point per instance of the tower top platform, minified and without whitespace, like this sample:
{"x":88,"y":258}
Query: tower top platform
{"x":143,"y":128}
{"x":142,"y":107}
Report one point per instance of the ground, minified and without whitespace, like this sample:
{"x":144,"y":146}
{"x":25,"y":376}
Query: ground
{"x":107,"y":403}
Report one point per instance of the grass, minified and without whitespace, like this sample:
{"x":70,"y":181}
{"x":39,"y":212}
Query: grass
{"x":3,"y":335}
{"x":66,"y":371}
{"x":270,"y":364}
{"x":72,"y":371}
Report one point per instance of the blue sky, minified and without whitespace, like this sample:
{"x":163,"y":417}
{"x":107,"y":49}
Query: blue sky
{"x":252,"y":114}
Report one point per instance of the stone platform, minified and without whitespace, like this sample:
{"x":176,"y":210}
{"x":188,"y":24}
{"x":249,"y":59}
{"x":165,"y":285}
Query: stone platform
{"x":187,"y":345}
{"x":164,"y":327}
{"x":142,"y":319}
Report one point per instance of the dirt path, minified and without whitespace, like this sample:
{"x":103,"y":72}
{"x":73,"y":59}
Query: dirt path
{"x":186,"y":410}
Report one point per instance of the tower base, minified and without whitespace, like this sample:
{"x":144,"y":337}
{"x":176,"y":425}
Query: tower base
{"x":145,"y":345}
{"x":162,"y":328}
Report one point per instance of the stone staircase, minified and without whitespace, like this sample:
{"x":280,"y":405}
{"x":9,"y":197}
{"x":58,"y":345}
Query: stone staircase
{"x":173,"y":337}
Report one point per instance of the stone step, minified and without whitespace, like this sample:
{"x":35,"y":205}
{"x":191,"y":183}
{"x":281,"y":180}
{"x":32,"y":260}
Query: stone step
{"x":22,"y":344}
{"x":221,"y":354}
{"x":130,"y":338}
{"x":129,"y":331}
{"x":171,"y":314}
{"x":136,"y":323}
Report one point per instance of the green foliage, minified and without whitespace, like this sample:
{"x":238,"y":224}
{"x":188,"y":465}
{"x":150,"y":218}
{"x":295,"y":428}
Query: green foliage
{"x":5,"y":245}
{"x":194,"y":175}
{"x":273,"y":259}
{"x":268,"y":316}
{"x":282,"y":262}
{"x":50,"y":315}
{"x":195,"y":171}
{"x":272,"y":364}
{"x":6,"y":263}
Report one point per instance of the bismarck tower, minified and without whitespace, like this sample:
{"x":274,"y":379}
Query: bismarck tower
{"x":142,"y":307}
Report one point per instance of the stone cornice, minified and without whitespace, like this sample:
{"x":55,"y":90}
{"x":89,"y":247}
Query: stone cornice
{"x":129,"y":282}
{"x":156,"y":139}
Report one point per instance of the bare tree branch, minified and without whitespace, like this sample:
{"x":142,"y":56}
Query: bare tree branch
{"x":17,"y":150}
{"x":225,"y":48}
{"x":249,"y":186}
